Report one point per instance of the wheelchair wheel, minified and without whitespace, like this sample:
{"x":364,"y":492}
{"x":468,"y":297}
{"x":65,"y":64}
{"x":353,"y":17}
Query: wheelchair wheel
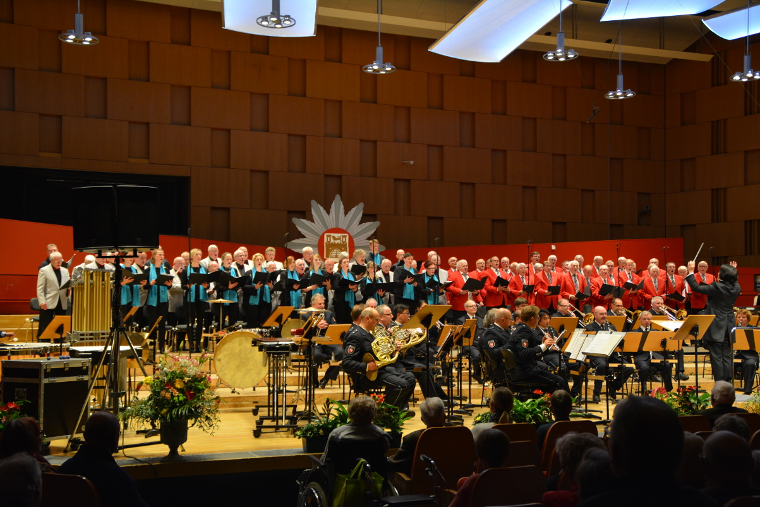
{"x":313,"y":495}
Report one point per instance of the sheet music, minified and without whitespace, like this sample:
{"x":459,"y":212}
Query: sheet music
{"x":603,"y":344}
{"x":670,"y":325}
{"x":576,"y":342}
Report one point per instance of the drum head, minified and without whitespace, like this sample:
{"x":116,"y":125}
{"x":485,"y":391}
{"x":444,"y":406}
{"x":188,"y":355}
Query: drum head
{"x":238,"y":362}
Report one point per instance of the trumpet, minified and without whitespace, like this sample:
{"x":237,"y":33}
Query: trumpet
{"x":632,"y":316}
{"x":584,"y":319}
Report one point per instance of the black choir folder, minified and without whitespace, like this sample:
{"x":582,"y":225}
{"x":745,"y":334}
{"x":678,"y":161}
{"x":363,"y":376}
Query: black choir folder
{"x":473,"y":285}
{"x":611,"y":289}
{"x":358,"y":270}
{"x":675,"y":296}
{"x":265,"y":277}
{"x":632,"y":286}
{"x":553,"y":290}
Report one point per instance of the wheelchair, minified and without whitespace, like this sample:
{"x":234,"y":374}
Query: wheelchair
{"x":316,"y":484}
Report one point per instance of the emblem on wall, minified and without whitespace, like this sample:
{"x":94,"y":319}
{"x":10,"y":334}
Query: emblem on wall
{"x":331,"y":233}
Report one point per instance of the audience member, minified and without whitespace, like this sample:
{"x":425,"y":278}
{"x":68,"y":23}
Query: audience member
{"x":502,"y":401}
{"x":727,"y":461}
{"x":570,"y":449}
{"x":722,"y":399}
{"x":94,"y":461}
{"x":24,"y":435}
{"x":594,"y":474}
{"x":560,"y":404}
{"x":754,"y":480}
{"x":492,"y":449}
{"x":360,"y":432}
{"x":20,"y":481}
{"x":433,"y":414}
{"x":645,"y":445}
{"x":734,"y":424}
{"x":689,"y":471}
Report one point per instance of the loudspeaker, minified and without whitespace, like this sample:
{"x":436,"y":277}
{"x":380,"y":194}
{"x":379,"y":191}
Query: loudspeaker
{"x":118,"y":217}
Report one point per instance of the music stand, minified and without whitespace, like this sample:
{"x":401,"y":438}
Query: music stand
{"x":449,"y":336}
{"x":617,"y":320}
{"x":604,"y":344}
{"x":754,"y":320}
{"x":573,"y":346}
{"x":683,"y":328}
{"x":279,"y":316}
{"x":130,"y":314}
{"x":51,"y":331}
{"x":564,"y":323}
{"x":651,"y":341}
{"x":742,"y":339}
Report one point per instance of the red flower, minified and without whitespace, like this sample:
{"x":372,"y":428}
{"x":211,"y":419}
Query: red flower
{"x":190,"y":395}
{"x":538,"y":391}
{"x":12,"y":406}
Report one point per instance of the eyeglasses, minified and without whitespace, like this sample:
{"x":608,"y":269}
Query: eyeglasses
{"x":405,"y":313}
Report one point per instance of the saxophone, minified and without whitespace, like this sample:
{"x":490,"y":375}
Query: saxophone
{"x":384,"y":346}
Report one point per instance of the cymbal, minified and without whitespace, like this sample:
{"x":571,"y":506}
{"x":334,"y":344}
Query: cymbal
{"x":307,"y":310}
{"x":220,"y":301}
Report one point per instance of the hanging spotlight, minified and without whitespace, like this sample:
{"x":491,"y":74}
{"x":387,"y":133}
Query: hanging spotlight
{"x":378,"y":67}
{"x":78,"y":35}
{"x":748,"y":74}
{"x":620,"y":93}
{"x":560,"y":55}
{"x":274,"y":19}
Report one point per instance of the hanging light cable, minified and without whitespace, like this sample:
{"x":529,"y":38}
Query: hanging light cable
{"x":560,"y":54}
{"x":747,"y":74}
{"x":78,"y":35}
{"x":620,"y":93}
{"x":378,"y":67}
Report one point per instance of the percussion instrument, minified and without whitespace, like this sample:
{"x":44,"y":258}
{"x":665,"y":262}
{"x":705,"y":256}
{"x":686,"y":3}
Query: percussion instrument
{"x":239,"y":363}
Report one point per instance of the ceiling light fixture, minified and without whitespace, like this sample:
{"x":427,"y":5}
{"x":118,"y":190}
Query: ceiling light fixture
{"x":620,"y":93}
{"x":274,"y":19}
{"x":78,"y":35}
{"x":625,"y":9}
{"x":378,"y":67}
{"x":560,"y":54}
{"x":747,"y":74}
{"x":735,"y":24}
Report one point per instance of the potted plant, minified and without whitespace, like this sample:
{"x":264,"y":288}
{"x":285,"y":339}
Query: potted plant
{"x":535,"y":411}
{"x":10,"y":411}
{"x":684,"y":401}
{"x":391,"y":418}
{"x":315,"y":434}
{"x":178,"y":394}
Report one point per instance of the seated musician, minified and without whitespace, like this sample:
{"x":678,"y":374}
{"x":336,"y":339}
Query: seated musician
{"x":563,"y":309}
{"x":495,"y":339}
{"x":414,"y":360}
{"x":617,"y":309}
{"x":398,"y":386}
{"x":528,"y":350}
{"x":551,"y":359}
{"x":601,"y":364}
{"x":749,"y":358}
{"x":325,"y":353}
{"x":643,"y":360}
{"x":658,"y":308}
{"x":473,"y":351}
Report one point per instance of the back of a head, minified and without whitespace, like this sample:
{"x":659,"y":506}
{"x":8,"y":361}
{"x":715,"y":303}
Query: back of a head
{"x":571,"y":447}
{"x":723,"y":393}
{"x":727,"y":459}
{"x":20,"y":435}
{"x":20,"y":481}
{"x":561,"y":404}
{"x":492,"y":448}
{"x":728,"y":274}
{"x":734,"y":424}
{"x":503,"y":401}
{"x":432,"y":412}
{"x":594,"y":473}
{"x":362,"y":410}
{"x":689,"y":471}
{"x":102,"y":430}
{"x":641,"y":428}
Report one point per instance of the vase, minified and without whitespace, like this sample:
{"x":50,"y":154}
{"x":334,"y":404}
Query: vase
{"x":315,"y":444}
{"x":395,"y":439}
{"x":173,"y":434}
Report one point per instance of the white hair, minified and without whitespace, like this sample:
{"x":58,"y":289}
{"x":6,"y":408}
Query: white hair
{"x":723,"y":393}
{"x":307,"y":249}
{"x":89,"y":259}
{"x":238,"y":252}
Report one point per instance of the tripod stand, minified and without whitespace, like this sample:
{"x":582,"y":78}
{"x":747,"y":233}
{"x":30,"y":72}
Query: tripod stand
{"x":111,"y":350}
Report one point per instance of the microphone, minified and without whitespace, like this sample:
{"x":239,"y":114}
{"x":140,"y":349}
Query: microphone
{"x":617,"y":245}
{"x":427,"y":459}
{"x":596,"y":110}
{"x":530,"y":241}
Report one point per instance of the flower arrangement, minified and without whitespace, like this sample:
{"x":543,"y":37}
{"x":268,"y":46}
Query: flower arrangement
{"x":10,"y":411}
{"x":334,"y":414}
{"x":388,"y":416}
{"x":178,"y":390}
{"x":685,"y":401}
{"x":535,"y":411}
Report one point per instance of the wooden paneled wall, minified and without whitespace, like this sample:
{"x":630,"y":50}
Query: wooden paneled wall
{"x":502,"y":152}
{"x":713,"y":155}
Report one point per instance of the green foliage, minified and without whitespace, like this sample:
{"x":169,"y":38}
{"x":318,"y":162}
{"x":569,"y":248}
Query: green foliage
{"x":684,"y":401}
{"x":333,"y":414}
{"x":481,"y":418}
{"x":179,"y":389}
{"x":753,"y":403}
{"x":535,"y":411}
{"x":11,"y":411}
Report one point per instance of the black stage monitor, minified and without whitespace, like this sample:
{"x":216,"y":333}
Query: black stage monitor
{"x":115,"y":217}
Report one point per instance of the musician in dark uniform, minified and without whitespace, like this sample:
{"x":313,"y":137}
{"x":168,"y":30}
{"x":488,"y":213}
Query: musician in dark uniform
{"x":602,"y":363}
{"x":749,"y":358}
{"x":325,"y":353}
{"x":643,"y":359}
{"x":722,"y":294}
{"x":529,"y":349}
{"x":471,"y":309}
{"x":496,"y":339}
{"x":398,"y":386}
{"x":551,"y":357}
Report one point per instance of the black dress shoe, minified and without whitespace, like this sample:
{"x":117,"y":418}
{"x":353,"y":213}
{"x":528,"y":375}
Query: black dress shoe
{"x":323,"y":383}
{"x":612,"y":396}
{"x":596,"y":399}
{"x":657,"y":378}
{"x":681,"y":376}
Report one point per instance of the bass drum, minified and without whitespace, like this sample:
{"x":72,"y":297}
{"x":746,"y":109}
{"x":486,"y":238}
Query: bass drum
{"x":238,"y":362}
